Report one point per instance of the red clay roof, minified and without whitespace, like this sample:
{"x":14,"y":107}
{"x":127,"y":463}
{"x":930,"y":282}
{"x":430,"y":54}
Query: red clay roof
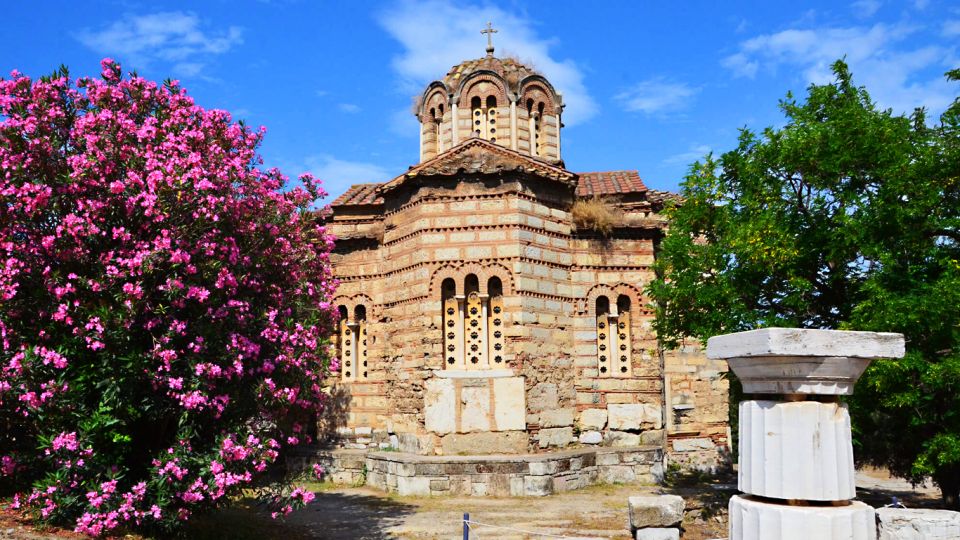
{"x":359,"y":194}
{"x":609,"y":183}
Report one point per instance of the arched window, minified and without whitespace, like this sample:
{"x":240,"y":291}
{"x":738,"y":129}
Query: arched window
{"x":491,"y":134}
{"x":438,"y":123}
{"x":495,"y":325}
{"x":479,"y":116}
{"x":452,"y":325}
{"x":539,"y":140}
{"x":473,"y":325}
{"x":613,"y":337}
{"x":352,"y":343}
{"x":535,"y":116}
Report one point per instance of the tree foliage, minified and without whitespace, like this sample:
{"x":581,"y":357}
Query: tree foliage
{"x":846,"y":217}
{"x":164,"y":304}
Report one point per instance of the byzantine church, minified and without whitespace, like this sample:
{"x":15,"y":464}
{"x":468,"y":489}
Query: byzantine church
{"x":492,"y":300}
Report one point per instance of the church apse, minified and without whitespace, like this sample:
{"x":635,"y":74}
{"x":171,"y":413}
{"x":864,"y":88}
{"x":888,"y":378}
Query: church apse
{"x":492,"y":323}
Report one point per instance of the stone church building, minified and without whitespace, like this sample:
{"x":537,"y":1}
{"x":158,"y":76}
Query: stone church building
{"x":491,"y":298}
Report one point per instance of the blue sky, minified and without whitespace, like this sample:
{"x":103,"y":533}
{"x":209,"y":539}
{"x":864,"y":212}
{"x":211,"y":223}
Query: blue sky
{"x":650,"y":86}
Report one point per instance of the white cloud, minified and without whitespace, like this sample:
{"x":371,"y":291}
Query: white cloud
{"x":695,"y":153}
{"x":866,"y":8}
{"x":897,"y":75}
{"x":349,"y":108}
{"x":338,"y":174}
{"x":438,"y":34}
{"x":656,"y":96}
{"x":173,"y":37}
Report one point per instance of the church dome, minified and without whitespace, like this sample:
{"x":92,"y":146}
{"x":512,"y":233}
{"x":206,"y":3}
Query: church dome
{"x":510,"y":69}
{"x":497,"y":99}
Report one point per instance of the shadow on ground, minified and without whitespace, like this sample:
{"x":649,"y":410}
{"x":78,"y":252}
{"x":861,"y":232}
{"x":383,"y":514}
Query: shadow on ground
{"x":342,"y":516}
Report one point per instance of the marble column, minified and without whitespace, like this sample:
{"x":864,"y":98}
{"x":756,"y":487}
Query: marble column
{"x":796,"y":453}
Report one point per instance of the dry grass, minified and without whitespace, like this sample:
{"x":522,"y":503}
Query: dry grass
{"x":595,"y":215}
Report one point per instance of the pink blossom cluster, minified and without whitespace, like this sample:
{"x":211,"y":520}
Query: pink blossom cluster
{"x":159,"y":290}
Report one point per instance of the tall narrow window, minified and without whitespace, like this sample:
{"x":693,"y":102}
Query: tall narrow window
{"x":533,"y":127}
{"x":613,"y":337}
{"x":452,"y":326}
{"x":495,"y":323}
{"x":491,"y":134}
{"x":438,"y":123}
{"x":479,"y":117}
{"x":352,"y":344}
{"x":538,"y":137}
{"x":476,"y":322}
{"x":623,"y":356}
{"x":473,"y":325}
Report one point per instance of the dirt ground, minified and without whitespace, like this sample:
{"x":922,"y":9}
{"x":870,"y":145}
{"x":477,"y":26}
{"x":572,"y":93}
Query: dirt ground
{"x":594,"y":512}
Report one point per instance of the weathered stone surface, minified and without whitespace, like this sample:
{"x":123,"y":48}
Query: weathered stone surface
{"x":653,"y":437}
{"x":796,"y":450}
{"x":556,"y":418}
{"x":634,"y":416}
{"x":658,"y":533}
{"x":474,"y":408}
{"x":412,"y":485}
{"x":622,"y":439}
{"x":557,"y":437}
{"x":509,"y":403}
{"x":802,"y":361}
{"x":910,"y":524}
{"x":593,"y":419}
{"x":537,"y":486}
{"x":490,"y":442}
{"x":754,"y":519}
{"x":439,"y":399}
{"x":799,"y":342}
{"x":655,"y":511}
{"x":543,"y":397}
{"x":591,"y":437}
{"x":693,"y":444}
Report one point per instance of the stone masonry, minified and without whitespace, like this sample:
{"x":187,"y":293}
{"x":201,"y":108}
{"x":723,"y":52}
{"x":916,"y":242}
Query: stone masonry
{"x":481,"y":313}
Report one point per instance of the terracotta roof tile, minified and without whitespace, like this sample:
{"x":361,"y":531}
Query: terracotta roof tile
{"x":359,"y":194}
{"x":609,"y":183}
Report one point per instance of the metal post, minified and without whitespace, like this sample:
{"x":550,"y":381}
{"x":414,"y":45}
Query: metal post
{"x":466,"y":526}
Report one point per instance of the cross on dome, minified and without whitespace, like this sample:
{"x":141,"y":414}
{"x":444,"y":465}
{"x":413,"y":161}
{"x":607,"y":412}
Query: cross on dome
{"x":489,"y":32}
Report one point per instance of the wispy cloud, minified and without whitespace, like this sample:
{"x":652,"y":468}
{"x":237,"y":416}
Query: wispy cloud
{"x":339,"y":174}
{"x":866,"y":8}
{"x":695,"y":153}
{"x":897,"y":75}
{"x":438,"y":34}
{"x":349,"y":108}
{"x":657,"y":96}
{"x":173,"y":37}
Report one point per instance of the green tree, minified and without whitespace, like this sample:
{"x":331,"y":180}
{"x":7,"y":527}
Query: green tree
{"x":845,"y":217}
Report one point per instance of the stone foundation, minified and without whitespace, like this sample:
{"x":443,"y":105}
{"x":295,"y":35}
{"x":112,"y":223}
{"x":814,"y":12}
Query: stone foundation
{"x":532,"y":475}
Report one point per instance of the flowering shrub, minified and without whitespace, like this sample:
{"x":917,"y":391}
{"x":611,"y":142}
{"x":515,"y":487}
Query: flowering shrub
{"x":164,"y":304}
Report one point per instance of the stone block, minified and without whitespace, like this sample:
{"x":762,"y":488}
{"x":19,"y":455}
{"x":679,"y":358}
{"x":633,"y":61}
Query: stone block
{"x":618,"y":474}
{"x":655,"y":511}
{"x":439,"y":399}
{"x":796,"y":450}
{"x":537,"y":486}
{"x":543,"y":397}
{"x":558,"y":437}
{"x":540,"y":468}
{"x":622,"y":439}
{"x":633,"y":416}
{"x":591,"y":437}
{"x":412,"y":485}
{"x":658,"y":533}
{"x":556,"y":418}
{"x":593,"y":419}
{"x":490,"y":442}
{"x":910,"y":524}
{"x":653,"y":437}
{"x":474,"y":408}
{"x":693,"y":444}
{"x":509,"y":397}
{"x":754,"y":519}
